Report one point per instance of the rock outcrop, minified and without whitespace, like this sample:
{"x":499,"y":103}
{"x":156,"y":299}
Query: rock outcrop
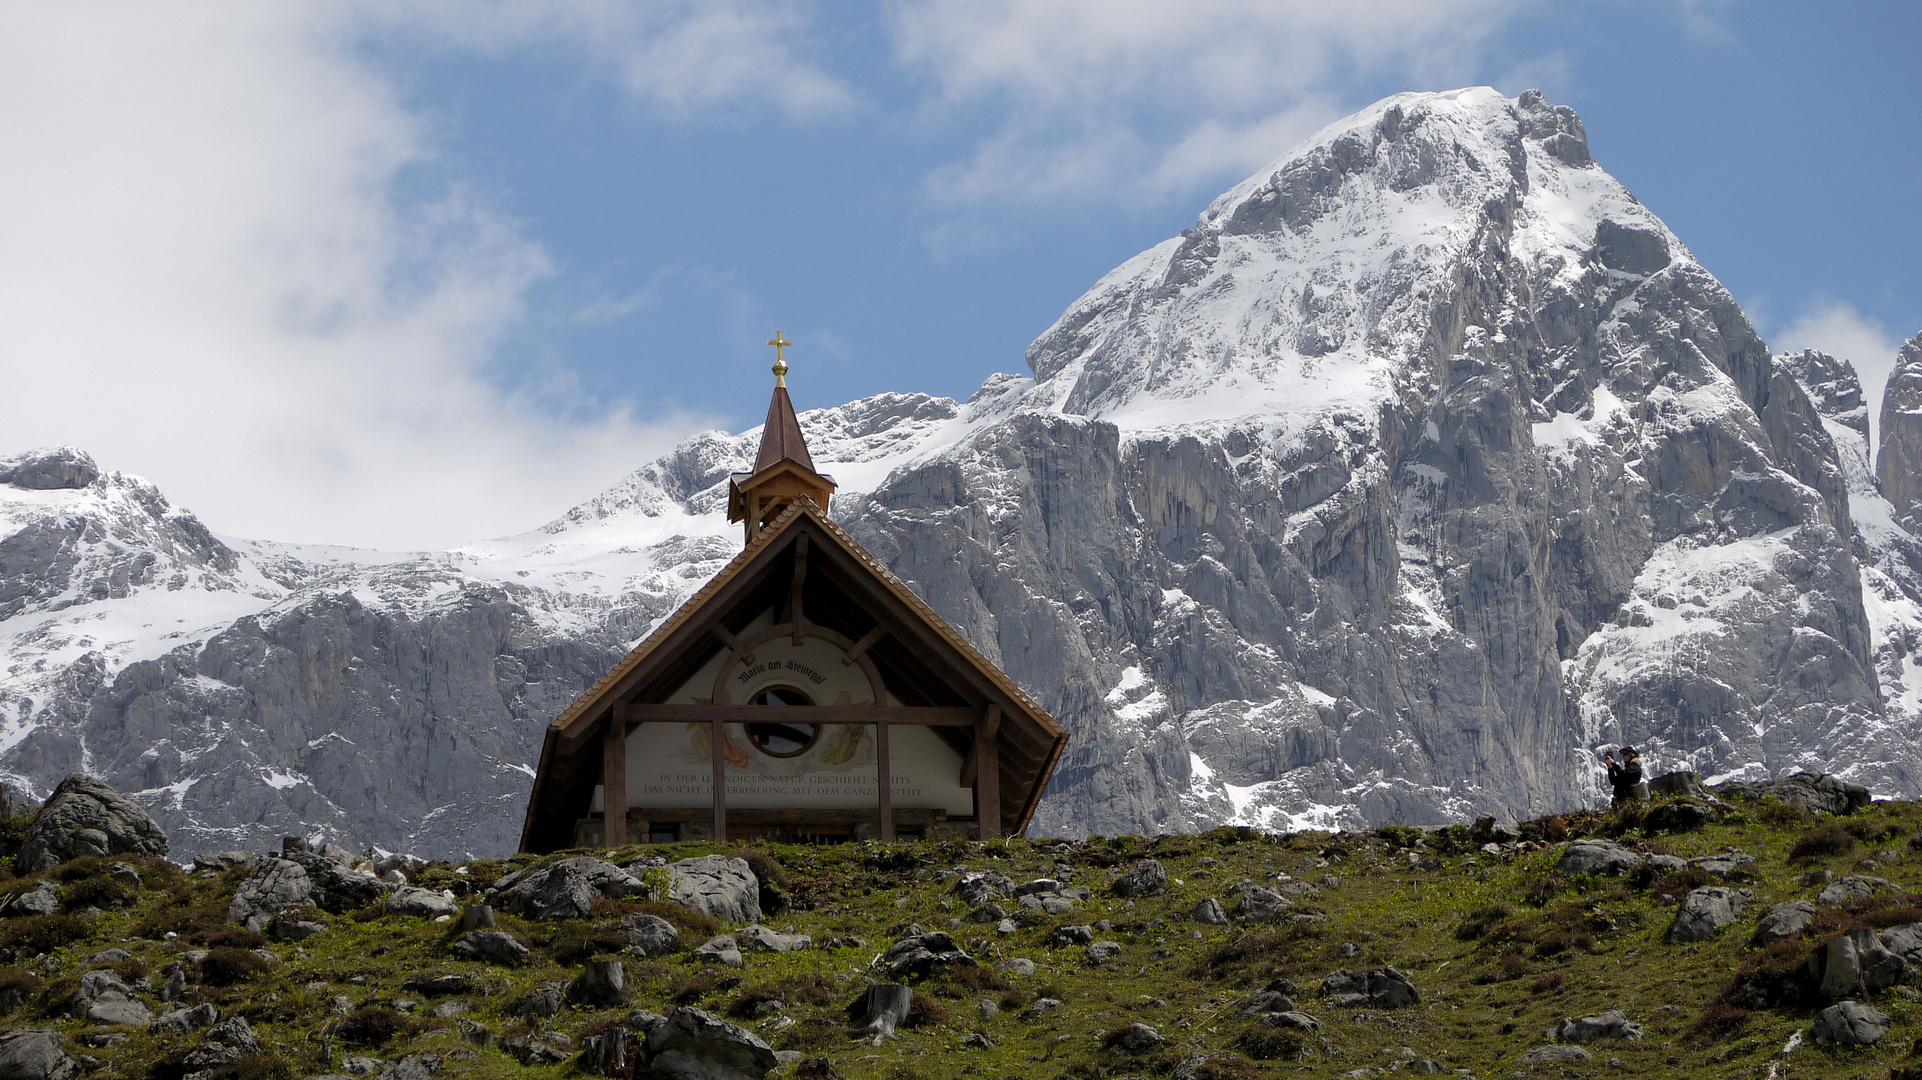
{"x":84,"y":816}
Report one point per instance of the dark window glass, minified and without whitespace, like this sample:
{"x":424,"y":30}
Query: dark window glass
{"x":782,"y":740}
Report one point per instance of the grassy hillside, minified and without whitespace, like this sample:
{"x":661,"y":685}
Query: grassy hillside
{"x":1501,"y":947}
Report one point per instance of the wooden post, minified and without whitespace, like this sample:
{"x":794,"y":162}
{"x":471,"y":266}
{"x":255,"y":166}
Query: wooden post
{"x":717,"y":735}
{"x":987,"y":774}
{"x":884,"y":780}
{"x":614,"y":783}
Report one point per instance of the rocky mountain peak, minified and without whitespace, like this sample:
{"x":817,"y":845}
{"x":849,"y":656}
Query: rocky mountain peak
{"x":49,"y":468}
{"x":1832,"y":386}
{"x":1898,"y":462}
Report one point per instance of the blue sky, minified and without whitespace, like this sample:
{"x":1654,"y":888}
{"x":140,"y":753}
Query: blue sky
{"x":411,"y":275}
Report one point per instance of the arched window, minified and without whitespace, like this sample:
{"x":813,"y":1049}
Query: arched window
{"x":776,"y":739}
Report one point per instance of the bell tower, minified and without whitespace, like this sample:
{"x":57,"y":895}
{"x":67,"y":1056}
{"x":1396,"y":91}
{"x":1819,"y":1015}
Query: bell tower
{"x":783,"y":470}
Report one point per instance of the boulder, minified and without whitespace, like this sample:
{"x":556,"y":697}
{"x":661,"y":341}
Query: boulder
{"x":42,"y":899}
{"x":475,"y":917}
{"x":879,"y":1010}
{"x":35,"y":1054}
{"x":1019,"y":965}
{"x":1681,"y":815}
{"x":1101,"y":952}
{"x":103,"y":999}
{"x":1289,"y":1018}
{"x":1613,"y":1024}
{"x":920,"y":952}
{"x":1853,"y":887}
{"x":721,"y":950}
{"x":1136,"y":1038}
{"x":601,"y":983}
{"x":227,"y":1042}
{"x":716,"y":885}
{"x":300,"y":879}
{"x":696,"y":1045}
{"x":650,"y":935}
{"x":1145,"y":878}
{"x":977,"y":889}
{"x":426,"y":903}
{"x":494,"y":946}
{"x":1680,"y":784}
{"x":1064,"y":936}
{"x":1599,"y":857}
{"x":1853,"y":963}
{"x":1822,"y":794}
{"x":1850,"y":1023}
{"x":1724,"y":863}
{"x":1555,"y":1055}
{"x":1706,"y":910}
{"x":1261,"y":904}
{"x":49,"y":468}
{"x":765,"y":940}
{"x":116,"y":826}
{"x":181,"y":1021}
{"x":1787,"y":920}
{"x":1487,"y":830}
{"x":565,"y":889}
{"x":1382,"y":988}
{"x":1904,"y":940}
{"x":1208,"y":910}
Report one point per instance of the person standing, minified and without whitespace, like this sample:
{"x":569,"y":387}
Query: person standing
{"x":1624,"y":775}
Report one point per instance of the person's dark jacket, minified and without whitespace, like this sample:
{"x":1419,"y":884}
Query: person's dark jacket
{"x":1623,"y":776}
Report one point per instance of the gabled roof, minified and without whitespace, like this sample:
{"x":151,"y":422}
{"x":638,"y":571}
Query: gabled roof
{"x":683,"y":631}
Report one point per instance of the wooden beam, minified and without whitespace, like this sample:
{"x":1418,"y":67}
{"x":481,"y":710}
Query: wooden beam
{"x":733,"y":643}
{"x":716,"y":737}
{"x":614,"y":784}
{"x":743,"y":816}
{"x":970,"y":764}
{"x":794,"y":588}
{"x":884,"y":779}
{"x":912,"y":715}
{"x":987,"y":779}
{"x":862,"y":646}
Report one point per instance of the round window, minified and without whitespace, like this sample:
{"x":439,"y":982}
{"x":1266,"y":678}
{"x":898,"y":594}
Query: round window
{"x":776,"y":739}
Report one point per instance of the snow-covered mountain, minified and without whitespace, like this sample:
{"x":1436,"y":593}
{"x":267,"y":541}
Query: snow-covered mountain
{"x":1424,"y":463}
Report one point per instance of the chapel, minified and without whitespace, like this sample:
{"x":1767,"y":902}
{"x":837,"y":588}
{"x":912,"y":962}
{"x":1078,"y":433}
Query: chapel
{"x":804,"y":694}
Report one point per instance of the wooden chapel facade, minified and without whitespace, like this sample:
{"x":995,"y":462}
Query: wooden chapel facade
{"x":803,"y":694}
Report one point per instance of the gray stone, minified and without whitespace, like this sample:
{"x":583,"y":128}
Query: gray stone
{"x":1706,"y":910}
{"x":543,"y":1002}
{"x":1850,"y":1023}
{"x":920,"y":953}
{"x":51,"y":468}
{"x":1853,"y":887}
{"x":42,"y":899}
{"x":102,"y":998}
{"x":650,"y":935}
{"x":1290,"y":1018}
{"x":1064,"y":936}
{"x":408,"y":900}
{"x":181,"y":1021}
{"x":761,"y":938}
{"x":1904,"y":940}
{"x":1853,"y":963}
{"x":285,"y":929}
{"x":35,"y":1054}
{"x":1145,"y":878}
{"x":564,"y":889}
{"x":1208,"y":910}
{"x":475,"y":917}
{"x":1821,"y":793}
{"x":1787,"y":920}
{"x":1039,"y":1008}
{"x":299,"y":879}
{"x":716,"y":885}
{"x":696,"y":1045}
{"x":1383,"y":988}
{"x":1613,"y":1024}
{"x":1261,"y":904}
{"x":1019,"y":965}
{"x":978,"y":889}
{"x":720,"y":950}
{"x":1599,"y":857}
{"x":84,"y":816}
{"x":494,"y":946}
{"x":1555,"y":1055}
{"x":1136,"y":1038}
{"x":1101,"y":952}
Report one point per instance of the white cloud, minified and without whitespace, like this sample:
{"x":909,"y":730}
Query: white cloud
{"x":1136,"y":99}
{"x":206,"y":280}
{"x":1837,"y":328}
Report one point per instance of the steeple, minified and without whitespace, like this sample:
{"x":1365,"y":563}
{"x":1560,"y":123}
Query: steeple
{"x":783,"y":469}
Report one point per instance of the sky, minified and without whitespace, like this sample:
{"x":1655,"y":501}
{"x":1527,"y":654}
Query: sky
{"x":409,"y":275}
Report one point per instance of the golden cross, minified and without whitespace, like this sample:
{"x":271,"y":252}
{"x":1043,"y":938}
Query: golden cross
{"x":780,"y":363}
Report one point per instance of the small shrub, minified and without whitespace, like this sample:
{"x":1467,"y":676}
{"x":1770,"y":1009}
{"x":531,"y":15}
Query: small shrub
{"x":685,"y":919}
{"x":924,"y":1011}
{"x":236,"y":937}
{"x":370,"y":1026}
{"x":1773,"y":811}
{"x":182,"y":913}
{"x":572,"y":941}
{"x":1682,"y":882}
{"x":1264,"y":1043}
{"x":225,"y":966}
{"x":819,"y":1068}
{"x":44,"y":933}
{"x":1720,"y":1019}
{"x":694,"y":988}
{"x":1476,"y":924}
{"x":1401,"y":836}
{"x":17,"y":986}
{"x":1222,"y":1067}
{"x":1549,"y":983}
{"x":1540,"y":891}
{"x":1871,"y":830}
{"x":1820,"y":843}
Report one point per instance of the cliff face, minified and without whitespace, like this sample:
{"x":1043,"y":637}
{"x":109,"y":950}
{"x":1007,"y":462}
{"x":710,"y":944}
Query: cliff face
{"x":1426,"y":461}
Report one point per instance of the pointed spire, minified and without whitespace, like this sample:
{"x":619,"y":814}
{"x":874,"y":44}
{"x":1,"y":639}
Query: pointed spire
{"x":783,"y":469}
{"x":781,"y":436}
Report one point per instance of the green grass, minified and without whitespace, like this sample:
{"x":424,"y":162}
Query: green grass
{"x":1499,"y":950}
